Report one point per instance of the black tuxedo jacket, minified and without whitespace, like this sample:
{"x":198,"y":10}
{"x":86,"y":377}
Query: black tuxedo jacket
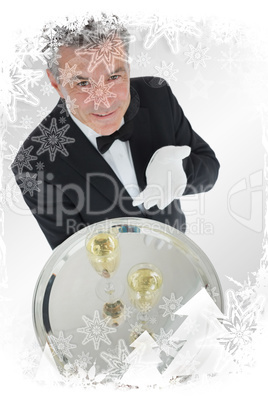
{"x":67,"y":184}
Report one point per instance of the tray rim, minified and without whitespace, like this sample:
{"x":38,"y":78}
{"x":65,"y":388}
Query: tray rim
{"x":75,"y":238}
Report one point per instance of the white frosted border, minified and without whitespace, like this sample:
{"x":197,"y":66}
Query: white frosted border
{"x":247,"y":383}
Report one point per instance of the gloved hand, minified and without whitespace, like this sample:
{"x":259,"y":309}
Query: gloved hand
{"x":166,"y":179}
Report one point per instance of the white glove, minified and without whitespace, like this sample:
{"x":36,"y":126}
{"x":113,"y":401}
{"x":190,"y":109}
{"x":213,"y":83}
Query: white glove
{"x":166,"y":179}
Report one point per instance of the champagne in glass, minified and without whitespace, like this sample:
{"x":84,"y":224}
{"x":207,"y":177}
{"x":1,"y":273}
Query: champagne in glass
{"x":104,"y":254}
{"x":145,"y":285}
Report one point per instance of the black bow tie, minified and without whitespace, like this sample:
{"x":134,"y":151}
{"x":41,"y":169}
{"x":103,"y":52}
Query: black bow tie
{"x":125,"y":132}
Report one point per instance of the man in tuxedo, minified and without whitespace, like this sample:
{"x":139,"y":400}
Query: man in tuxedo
{"x":113,"y":146}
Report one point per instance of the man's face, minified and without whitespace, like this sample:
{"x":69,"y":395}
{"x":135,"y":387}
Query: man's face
{"x":98,"y":95}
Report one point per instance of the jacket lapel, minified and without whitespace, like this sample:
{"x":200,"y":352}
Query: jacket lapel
{"x":141,"y":145}
{"x":87,"y":162}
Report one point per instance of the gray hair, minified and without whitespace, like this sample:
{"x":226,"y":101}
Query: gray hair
{"x":92,"y":32}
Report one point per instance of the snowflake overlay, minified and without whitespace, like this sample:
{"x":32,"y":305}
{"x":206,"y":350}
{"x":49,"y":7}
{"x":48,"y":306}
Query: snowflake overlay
{"x":40,"y":166}
{"x":136,"y":330}
{"x":15,"y":84}
{"x":164,"y":27}
{"x":29,"y":184}
{"x":107,"y":49}
{"x":197,"y":56}
{"x":53,"y":140}
{"x":230,"y":61}
{"x":212,"y":291}
{"x":14,"y":152}
{"x":166,"y":72}
{"x":99,"y":93}
{"x":62,"y":346}
{"x":117,"y":360}
{"x":171,"y":306}
{"x":76,"y":376}
{"x":96,"y":330}
{"x":66,"y":106}
{"x":143,"y":59}
{"x":68,"y":75}
{"x":23,"y":159}
{"x":46,"y":89}
{"x":30,"y":360}
{"x":241,"y":322}
{"x":83,"y":360}
{"x":42,"y":112}
{"x":164,"y":342}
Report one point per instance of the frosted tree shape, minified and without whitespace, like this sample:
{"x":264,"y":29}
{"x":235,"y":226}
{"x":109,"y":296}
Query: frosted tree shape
{"x":143,"y":362}
{"x":48,"y":371}
{"x":202,"y":353}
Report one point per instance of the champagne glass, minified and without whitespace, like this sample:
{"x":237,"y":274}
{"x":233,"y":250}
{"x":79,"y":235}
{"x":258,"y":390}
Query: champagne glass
{"x":145,"y":285}
{"x":104,"y":255}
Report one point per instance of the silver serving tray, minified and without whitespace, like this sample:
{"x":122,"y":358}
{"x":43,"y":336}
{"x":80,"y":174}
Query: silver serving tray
{"x":65,"y":290}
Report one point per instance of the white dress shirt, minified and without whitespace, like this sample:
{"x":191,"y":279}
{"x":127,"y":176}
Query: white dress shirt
{"x":118,"y":157}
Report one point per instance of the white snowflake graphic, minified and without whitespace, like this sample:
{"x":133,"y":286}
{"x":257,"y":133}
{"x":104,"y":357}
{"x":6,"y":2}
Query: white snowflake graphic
{"x":83,"y":360}
{"x":62,"y":120}
{"x":166,"y":72}
{"x":70,"y":103}
{"x":171,"y":306}
{"x":29,"y":184}
{"x":99,"y":93}
{"x":30,"y":360}
{"x":53,"y":59}
{"x":23,"y":158}
{"x":116,"y":360}
{"x":191,"y":326}
{"x":67,"y":106}
{"x":30,"y":49}
{"x":106,"y":50}
{"x":8,"y":194}
{"x":164,"y":342}
{"x":227,"y":31}
{"x":212,"y":291}
{"x":26,"y":122}
{"x":14,"y":151}
{"x":197,"y":56}
{"x":164,"y":27}
{"x":42,"y":112}
{"x":63,"y":107}
{"x":143,"y":59}
{"x":127,"y":312}
{"x":76,"y":376}
{"x":50,"y":39}
{"x":241,"y":322}
{"x":230,"y":60}
{"x":40,"y":166}
{"x":136,"y":329}
{"x":53,"y":140}
{"x":96,"y":330}
{"x":61,"y":346}
{"x":14,"y":87}
{"x":152,"y":319}
{"x":68,"y":75}
{"x":46,"y":89}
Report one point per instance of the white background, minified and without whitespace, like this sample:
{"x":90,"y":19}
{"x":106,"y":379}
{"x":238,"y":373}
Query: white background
{"x":226,"y":106}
